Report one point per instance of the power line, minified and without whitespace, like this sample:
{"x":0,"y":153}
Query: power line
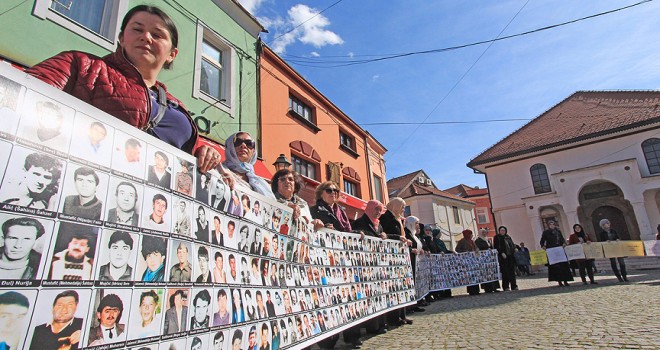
{"x":319,"y":63}
{"x":456,"y":84}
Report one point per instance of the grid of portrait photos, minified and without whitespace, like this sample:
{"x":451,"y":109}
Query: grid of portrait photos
{"x":445,"y":271}
{"x":119,"y":242}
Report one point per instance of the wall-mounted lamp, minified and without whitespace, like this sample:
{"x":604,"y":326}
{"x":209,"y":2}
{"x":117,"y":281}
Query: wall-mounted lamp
{"x":281,"y":162}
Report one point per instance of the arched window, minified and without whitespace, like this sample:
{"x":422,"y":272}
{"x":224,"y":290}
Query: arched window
{"x":540,"y":178}
{"x":651,"y":148}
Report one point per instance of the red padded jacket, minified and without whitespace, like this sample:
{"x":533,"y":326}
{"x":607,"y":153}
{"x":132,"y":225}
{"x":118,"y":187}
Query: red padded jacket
{"x":110,"y":83}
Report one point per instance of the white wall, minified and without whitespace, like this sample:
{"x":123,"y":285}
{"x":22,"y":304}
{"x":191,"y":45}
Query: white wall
{"x":512,"y":193}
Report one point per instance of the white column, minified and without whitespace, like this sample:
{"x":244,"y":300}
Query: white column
{"x":537,"y":230}
{"x":646,"y":230}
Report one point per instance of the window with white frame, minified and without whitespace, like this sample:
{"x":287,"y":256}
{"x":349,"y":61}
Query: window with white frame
{"x":96,"y":20}
{"x":304,"y":167}
{"x":482,"y":215}
{"x":213,"y":76}
{"x":301,"y":109}
{"x":651,"y":148}
{"x":351,"y":188}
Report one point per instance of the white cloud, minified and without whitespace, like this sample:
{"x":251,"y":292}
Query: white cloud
{"x":315,"y":54}
{"x":350,"y":54}
{"x":251,"y":5}
{"x":375,"y":77}
{"x":309,"y":29}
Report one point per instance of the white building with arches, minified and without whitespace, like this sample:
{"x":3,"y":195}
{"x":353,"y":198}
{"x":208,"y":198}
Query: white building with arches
{"x":594,"y":155}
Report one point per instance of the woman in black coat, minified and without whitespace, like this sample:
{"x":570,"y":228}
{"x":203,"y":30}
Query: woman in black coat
{"x":505,"y":249}
{"x":551,"y":238}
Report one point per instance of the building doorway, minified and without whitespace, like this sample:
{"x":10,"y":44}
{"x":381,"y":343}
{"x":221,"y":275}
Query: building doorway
{"x":605,"y":200}
{"x":617,"y":220}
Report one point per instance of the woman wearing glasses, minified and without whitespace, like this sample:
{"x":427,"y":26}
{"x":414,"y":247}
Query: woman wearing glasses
{"x":333,"y":216}
{"x":241,"y":156}
{"x":327,"y":210}
{"x":286,"y":184}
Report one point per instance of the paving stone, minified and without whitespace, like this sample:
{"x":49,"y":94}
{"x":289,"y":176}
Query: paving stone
{"x":540,"y":315}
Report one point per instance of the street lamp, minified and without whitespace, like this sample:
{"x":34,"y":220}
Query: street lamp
{"x":281,"y":162}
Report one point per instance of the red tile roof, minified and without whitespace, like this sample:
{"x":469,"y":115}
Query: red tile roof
{"x":581,"y":116}
{"x":406,"y":187}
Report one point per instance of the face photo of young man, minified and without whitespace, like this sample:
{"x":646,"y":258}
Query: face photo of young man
{"x":74,"y":252}
{"x":159,"y":170}
{"x":156,"y":210}
{"x":15,"y":308}
{"x":33,"y":180}
{"x":92,"y":140}
{"x":61,"y":324}
{"x":180,"y":258}
{"x":146,"y":313}
{"x":84,"y":192}
{"x":46,"y":122}
{"x":108,"y":317}
{"x":183,"y":213}
{"x":25,"y":242}
{"x":129,"y":156}
{"x":118,"y":253}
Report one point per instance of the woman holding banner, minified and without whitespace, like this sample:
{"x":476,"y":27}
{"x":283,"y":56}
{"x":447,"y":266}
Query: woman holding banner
{"x":609,"y":234}
{"x":392,"y":222}
{"x":552,"y":238}
{"x":124,"y":83}
{"x":333,"y":216}
{"x":578,"y":237}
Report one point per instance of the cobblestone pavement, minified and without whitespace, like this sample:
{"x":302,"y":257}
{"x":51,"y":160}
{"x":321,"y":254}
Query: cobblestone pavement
{"x":541,"y":315}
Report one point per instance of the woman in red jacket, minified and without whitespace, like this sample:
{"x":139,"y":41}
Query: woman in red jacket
{"x":124,"y":83}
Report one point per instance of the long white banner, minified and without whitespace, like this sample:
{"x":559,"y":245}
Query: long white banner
{"x":437,"y":272}
{"x":111,"y":239}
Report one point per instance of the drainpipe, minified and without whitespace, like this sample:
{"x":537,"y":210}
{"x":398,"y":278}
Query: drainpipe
{"x":369,"y":175}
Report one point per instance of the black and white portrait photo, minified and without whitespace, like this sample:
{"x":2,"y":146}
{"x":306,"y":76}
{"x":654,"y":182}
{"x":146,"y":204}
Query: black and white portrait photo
{"x":45,"y":122}
{"x":35,"y":181}
{"x":219,"y":194}
{"x":159,"y":169}
{"x":84,"y":192}
{"x":92,"y":140}
{"x":10,"y":98}
{"x":202,"y":264}
{"x":118,"y":252}
{"x":156,"y":210}
{"x":182,"y":217}
{"x":124,"y":201}
{"x":129,"y":155}
{"x":25,"y":242}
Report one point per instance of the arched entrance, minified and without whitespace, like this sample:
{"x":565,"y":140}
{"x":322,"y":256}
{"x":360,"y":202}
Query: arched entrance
{"x":616,"y":217}
{"x":604,"y":200}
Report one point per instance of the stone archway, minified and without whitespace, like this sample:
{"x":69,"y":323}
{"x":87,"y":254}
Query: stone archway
{"x":616,"y":217}
{"x":600,"y":200}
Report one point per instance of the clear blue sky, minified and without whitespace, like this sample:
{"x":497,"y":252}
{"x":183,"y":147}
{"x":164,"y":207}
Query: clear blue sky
{"x":517,"y":78}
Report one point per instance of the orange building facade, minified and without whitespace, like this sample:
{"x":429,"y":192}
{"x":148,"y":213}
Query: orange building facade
{"x":321,"y":141}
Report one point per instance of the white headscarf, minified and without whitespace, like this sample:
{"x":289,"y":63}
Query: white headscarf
{"x":411,"y":224}
{"x":234,"y":164}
